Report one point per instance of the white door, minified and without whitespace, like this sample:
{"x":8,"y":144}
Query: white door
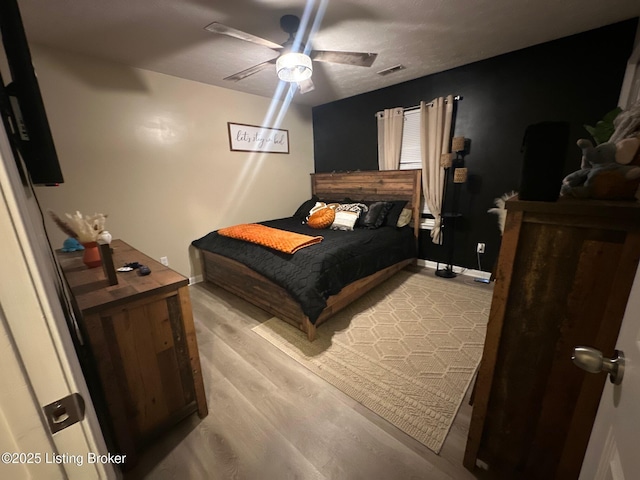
{"x":613,"y":452}
{"x":38,"y":365}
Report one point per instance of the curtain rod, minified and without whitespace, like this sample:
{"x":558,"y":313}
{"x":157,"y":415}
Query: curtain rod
{"x":456,"y":98}
{"x":408,"y":109}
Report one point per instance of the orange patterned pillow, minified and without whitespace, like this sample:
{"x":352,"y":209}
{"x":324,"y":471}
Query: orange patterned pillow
{"x":322,"y":218}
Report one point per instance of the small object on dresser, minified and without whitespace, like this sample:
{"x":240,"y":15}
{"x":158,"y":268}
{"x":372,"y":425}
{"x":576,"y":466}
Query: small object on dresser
{"x":107,"y":261}
{"x":143,"y":270}
{"x":91,"y":256}
{"x":72,"y":245}
{"x":105,"y":236}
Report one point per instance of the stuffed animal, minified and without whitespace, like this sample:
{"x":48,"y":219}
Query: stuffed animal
{"x":609,"y":171}
{"x":71,"y":245}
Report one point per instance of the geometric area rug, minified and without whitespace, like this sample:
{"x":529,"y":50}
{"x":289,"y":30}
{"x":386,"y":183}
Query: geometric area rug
{"x":407,"y":350}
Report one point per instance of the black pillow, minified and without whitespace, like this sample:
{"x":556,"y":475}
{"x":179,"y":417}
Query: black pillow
{"x":303,"y":210}
{"x":376,"y":215}
{"x":394,"y":213}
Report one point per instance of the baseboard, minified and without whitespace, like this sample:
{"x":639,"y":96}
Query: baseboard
{"x":459,"y":270}
{"x":196,"y":279}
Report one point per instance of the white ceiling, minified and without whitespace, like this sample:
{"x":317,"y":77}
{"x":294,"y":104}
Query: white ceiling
{"x":429,"y":36}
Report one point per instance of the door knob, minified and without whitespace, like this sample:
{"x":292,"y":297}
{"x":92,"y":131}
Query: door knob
{"x":591,"y":360}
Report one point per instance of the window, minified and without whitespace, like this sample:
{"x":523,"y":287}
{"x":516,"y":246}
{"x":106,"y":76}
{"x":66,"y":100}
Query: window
{"x":410,"y":155}
{"x":410,"y":151}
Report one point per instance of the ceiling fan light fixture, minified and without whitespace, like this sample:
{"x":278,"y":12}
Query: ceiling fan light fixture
{"x":294,"y":67}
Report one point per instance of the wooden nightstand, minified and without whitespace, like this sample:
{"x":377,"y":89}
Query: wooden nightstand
{"x":143,"y":343}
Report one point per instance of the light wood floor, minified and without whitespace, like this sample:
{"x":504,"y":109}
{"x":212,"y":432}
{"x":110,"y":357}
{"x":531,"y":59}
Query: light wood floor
{"x":271,"y":418}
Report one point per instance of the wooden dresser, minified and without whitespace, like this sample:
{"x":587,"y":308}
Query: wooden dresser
{"x":563,"y":277}
{"x":143,"y":345}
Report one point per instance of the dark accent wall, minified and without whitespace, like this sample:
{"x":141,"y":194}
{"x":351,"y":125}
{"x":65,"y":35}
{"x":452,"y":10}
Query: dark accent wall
{"x":575,"y":79}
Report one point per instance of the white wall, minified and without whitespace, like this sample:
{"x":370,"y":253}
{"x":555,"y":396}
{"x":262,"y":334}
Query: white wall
{"x":152,"y":152}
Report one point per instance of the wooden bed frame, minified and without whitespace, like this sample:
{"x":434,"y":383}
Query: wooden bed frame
{"x":239,"y":279}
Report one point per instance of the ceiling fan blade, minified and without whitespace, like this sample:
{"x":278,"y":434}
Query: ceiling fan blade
{"x":306,"y":86}
{"x":251,"y":70}
{"x":216,"y":27}
{"x":359,"y":59}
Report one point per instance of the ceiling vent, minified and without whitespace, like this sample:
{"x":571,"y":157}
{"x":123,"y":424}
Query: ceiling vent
{"x":393,"y":69}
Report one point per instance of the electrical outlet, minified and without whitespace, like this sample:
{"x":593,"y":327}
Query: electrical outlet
{"x":480,"y":248}
{"x":164,"y":261}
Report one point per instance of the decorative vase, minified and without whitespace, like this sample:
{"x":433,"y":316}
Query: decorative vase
{"x":91,"y":256}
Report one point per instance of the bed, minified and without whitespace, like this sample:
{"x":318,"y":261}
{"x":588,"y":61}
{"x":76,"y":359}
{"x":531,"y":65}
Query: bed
{"x":310,"y":286}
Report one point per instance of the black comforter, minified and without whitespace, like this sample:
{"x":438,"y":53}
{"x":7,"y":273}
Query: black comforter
{"x":314,"y":273}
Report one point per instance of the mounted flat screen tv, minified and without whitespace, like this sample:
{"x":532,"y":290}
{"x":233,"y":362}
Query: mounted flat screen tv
{"x":23,"y":111}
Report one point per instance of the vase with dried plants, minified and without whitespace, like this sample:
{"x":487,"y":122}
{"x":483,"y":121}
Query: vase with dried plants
{"x":86,"y":229}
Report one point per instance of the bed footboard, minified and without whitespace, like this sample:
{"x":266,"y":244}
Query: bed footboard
{"x":260,"y":291}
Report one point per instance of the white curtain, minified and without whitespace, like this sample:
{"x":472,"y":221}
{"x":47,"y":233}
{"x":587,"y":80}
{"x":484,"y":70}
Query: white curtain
{"x":390,"y":123}
{"x":435,"y":135}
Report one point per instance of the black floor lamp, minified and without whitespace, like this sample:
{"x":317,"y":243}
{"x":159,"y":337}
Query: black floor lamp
{"x":449,"y":217}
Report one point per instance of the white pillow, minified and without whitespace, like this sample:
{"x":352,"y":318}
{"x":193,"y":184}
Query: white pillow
{"x":347,"y":222}
{"x":344,"y":220}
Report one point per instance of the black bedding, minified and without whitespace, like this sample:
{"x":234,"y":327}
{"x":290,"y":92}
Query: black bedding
{"x":314,"y":273}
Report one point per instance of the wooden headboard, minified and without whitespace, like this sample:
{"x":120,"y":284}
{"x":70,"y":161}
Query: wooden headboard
{"x":372,"y":185}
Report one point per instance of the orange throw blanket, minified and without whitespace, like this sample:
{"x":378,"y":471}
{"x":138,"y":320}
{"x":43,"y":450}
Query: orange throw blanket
{"x":281,"y":240}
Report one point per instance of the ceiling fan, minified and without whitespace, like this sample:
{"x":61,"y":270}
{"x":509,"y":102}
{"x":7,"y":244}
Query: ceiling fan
{"x":293,"y":64}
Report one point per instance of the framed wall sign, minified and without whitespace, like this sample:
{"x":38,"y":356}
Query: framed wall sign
{"x":251,"y":138}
